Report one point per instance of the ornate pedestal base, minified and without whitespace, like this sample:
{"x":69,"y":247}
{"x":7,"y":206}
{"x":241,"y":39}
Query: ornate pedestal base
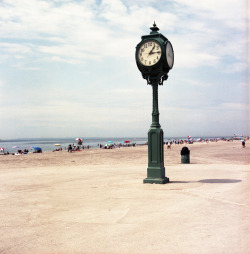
{"x":156,"y":180}
{"x":156,"y":169}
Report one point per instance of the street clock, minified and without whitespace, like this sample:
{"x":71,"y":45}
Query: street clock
{"x":154,"y":55}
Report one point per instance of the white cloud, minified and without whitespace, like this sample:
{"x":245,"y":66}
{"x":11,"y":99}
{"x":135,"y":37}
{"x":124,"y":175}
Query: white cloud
{"x":14,"y":51}
{"x":238,"y":106}
{"x":195,"y":82}
{"x":77,"y":31}
{"x":230,"y":12}
{"x":189,"y":58}
{"x":235,"y":67}
{"x":220,"y":119}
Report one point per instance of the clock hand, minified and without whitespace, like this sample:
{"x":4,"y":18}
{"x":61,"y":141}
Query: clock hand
{"x":150,"y":53}
{"x":155,"y":52}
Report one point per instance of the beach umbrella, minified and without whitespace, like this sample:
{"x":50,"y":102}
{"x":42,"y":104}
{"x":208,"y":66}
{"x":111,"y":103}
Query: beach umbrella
{"x":1,"y":149}
{"x":15,"y":147}
{"x":57,"y":145}
{"x":126,"y":141}
{"x":78,"y":139}
{"x":36,"y":148}
{"x":110,"y":141}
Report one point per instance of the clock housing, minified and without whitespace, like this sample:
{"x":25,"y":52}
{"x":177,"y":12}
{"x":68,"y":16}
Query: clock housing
{"x":153,"y":55}
{"x":170,"y":55}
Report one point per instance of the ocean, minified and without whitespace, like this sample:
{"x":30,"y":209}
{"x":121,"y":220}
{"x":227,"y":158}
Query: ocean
{"x":48,"y":144}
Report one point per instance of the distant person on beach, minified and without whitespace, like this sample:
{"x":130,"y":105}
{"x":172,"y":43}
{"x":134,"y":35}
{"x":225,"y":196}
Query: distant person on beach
{"x":69,"y":148}
{"x":243,"y":144}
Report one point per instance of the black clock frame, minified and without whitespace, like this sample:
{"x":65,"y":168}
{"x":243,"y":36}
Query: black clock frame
{"x":161,"y":68}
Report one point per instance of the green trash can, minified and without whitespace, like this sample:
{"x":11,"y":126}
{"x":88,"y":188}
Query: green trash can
{"x":185,"y":155}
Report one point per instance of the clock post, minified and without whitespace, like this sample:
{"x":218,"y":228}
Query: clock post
{"x":154,"y":58}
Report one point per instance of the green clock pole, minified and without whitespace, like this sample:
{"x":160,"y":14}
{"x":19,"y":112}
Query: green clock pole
{"x":156,"y":169}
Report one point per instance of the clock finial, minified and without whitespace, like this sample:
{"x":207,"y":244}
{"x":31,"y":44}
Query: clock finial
{"x":154,"y":29}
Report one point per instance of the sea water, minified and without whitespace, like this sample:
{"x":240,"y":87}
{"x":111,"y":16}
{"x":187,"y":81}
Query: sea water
{"x":48,"y":144}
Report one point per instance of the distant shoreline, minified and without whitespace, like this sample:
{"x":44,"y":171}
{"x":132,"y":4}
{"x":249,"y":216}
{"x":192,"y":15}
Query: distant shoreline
{"x":48,"y":144}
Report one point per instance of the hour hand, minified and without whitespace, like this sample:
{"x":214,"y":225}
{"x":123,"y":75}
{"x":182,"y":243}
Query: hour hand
{"x":151,"y":51}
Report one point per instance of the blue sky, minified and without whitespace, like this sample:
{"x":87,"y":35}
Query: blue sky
{"x":67,"y":68}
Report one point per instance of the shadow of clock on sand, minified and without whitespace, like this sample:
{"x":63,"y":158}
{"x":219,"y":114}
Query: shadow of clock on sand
{"x":210,"y":181}
{"x":220,"y":181}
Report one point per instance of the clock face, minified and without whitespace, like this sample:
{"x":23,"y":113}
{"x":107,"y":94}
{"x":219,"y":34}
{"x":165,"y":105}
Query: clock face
{"x":170,"y":55}
{"x":149,"y":53}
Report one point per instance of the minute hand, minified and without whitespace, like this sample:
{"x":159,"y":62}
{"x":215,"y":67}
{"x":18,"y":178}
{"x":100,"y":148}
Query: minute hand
{"x":158,"y":52}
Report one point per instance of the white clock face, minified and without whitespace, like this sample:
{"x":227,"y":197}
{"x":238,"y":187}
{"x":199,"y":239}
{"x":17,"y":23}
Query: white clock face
{"x":149,"y":53}
{"x":170,"y":55}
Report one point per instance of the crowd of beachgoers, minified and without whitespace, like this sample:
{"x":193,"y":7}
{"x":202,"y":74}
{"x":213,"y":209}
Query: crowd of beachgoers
{"x":73,"y":148}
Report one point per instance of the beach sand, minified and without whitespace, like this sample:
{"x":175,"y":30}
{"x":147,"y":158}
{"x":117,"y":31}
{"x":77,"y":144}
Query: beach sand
{"x":94,"y":201}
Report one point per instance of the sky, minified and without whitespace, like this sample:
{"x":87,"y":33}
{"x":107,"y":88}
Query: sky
{"x":67,"y":68}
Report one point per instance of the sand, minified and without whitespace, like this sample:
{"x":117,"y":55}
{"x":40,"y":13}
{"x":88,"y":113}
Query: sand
{"x":94,"y":201}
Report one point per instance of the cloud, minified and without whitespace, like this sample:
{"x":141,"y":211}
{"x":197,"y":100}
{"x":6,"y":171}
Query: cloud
{"x":235,"y":106}
{"x":74,"y":32}
{"x":229,"y":12}
{"x":195,"y":82}
{"x":222,"y":119}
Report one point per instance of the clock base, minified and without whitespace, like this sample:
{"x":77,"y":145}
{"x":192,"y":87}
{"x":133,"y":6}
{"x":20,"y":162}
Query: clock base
{"x":156,"y":180}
